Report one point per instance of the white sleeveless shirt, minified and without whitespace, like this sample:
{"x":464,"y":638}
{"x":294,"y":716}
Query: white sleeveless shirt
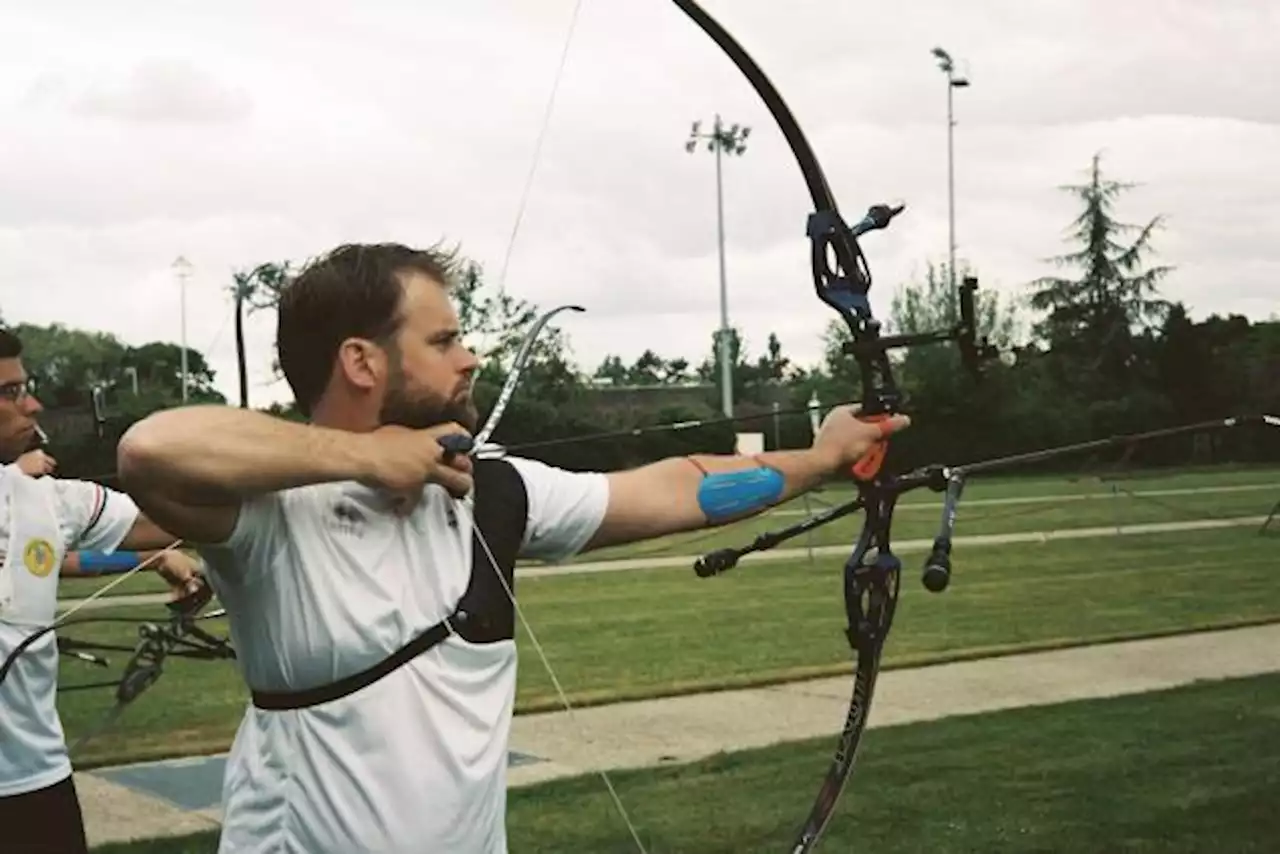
{"x":324,"y":581}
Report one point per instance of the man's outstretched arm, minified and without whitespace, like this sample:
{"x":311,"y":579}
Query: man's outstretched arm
{"x":699,"y":491}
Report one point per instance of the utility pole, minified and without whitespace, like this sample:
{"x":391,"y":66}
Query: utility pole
{"x":183,"y":268}
{"x":815,"y":412}
{"x":954,"y":81}
{"x":731,"y":140}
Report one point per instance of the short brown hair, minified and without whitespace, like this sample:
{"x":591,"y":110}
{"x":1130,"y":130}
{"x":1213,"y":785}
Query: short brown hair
{"x":10,"y":344}
{"x":352,"y":291}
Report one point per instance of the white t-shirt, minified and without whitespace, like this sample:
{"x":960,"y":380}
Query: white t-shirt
{"x":41,"y":519}
{"x":324,"y":581}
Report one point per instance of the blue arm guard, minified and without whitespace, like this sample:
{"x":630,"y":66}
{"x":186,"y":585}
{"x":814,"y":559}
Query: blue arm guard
{"x":727,"y":494}
{"x":101,"y":563}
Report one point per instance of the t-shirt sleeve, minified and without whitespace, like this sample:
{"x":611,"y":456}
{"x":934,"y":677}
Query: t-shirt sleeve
{"x":565,"y":508}
{"x":91,"y":516}
{"x":258,"y":530}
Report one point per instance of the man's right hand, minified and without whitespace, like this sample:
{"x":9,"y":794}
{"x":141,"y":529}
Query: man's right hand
{"x":402,"y":460}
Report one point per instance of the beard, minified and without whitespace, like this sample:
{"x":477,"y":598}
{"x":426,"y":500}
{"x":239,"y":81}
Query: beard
{"x":421,"y":410}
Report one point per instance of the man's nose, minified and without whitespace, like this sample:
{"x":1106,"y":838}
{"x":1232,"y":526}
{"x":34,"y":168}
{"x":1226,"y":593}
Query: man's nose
{"x":32,"y":405}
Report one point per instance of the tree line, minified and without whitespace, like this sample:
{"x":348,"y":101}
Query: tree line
{"x":1091,"y":351}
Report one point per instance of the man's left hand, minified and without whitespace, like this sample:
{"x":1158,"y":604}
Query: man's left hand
{"x":843,"y":439}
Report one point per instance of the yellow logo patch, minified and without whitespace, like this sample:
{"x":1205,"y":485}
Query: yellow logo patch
{"x":39,"y":555}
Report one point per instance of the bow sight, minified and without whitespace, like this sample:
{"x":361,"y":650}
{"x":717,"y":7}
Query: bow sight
{"x":845,"y":288}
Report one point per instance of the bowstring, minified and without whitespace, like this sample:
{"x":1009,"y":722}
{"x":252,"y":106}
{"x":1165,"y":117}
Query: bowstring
{"x":523,"y":204}
{"x":124,"y":576}
{"x":465,"y":503}
{"x":555,"y":681}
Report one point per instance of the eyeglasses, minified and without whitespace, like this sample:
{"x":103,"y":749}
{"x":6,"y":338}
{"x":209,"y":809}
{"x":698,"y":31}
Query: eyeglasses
{"x":18,"y":390}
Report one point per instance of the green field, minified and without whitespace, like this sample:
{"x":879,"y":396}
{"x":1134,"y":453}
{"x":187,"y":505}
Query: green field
{"x":997,"y":505}
{"x":638,"y":633}
{"x":1145,"y":773}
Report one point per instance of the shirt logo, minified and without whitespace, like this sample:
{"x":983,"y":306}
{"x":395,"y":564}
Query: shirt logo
{"x":347,"y":518}
{"x":38,"y":555}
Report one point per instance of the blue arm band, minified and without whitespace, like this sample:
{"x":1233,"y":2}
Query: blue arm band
{"x":726,"y":494}
{"x":101,"y":563}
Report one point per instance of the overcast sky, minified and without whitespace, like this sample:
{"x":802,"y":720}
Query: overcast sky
{"x":239,"y":132}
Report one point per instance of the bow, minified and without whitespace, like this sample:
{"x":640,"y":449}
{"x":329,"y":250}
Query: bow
{"x":871,"y":584}
{"x":178,"y":636}
{"x":842,"y":279}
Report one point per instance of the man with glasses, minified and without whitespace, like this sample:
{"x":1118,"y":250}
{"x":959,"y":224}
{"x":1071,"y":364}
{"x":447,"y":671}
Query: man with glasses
{"x":43,"y":522}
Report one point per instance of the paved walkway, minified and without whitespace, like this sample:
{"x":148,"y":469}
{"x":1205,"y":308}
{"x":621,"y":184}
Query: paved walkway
{"x":144,"y":801}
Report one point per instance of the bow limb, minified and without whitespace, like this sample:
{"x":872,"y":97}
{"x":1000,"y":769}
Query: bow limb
{"x":841,"y":277}
{"x":871,"y":583}
{"x":513,"y":378}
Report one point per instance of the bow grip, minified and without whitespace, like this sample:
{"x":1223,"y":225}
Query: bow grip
{"x":868,"y":465}
{"x":455,"y":444}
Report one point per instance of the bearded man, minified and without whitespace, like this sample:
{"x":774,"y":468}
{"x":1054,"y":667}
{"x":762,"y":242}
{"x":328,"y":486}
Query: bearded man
{"x":371,"y":610}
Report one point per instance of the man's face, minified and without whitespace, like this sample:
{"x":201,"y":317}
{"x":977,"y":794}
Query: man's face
{"x":18,"y":410}
{"x":431,"y":381}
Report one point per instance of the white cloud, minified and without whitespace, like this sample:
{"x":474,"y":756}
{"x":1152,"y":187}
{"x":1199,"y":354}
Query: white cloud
{"x":249,"y":132}
{"x":157,"y":91}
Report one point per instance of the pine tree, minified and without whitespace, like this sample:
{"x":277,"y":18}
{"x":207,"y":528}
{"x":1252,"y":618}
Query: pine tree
{"x":1093,"y":322}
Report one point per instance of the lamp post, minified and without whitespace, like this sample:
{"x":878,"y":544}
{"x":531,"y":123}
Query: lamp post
{"x":721,"y":140}
{"x":954,"y":81}
{"x":183,"y":268}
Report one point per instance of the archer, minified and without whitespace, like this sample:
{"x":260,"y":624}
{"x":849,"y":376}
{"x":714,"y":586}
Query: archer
{"x":366,"y":561}
{"x":43,"y":519}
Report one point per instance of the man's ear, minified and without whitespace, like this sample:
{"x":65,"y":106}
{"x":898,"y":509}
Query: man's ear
{"x":362,"y":363}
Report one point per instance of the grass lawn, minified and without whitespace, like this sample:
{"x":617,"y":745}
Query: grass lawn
{"x":1005,"y":506}
{"x":1033,"y":504}
{"x":640,"y":633}
{"x":1191,"y":769}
